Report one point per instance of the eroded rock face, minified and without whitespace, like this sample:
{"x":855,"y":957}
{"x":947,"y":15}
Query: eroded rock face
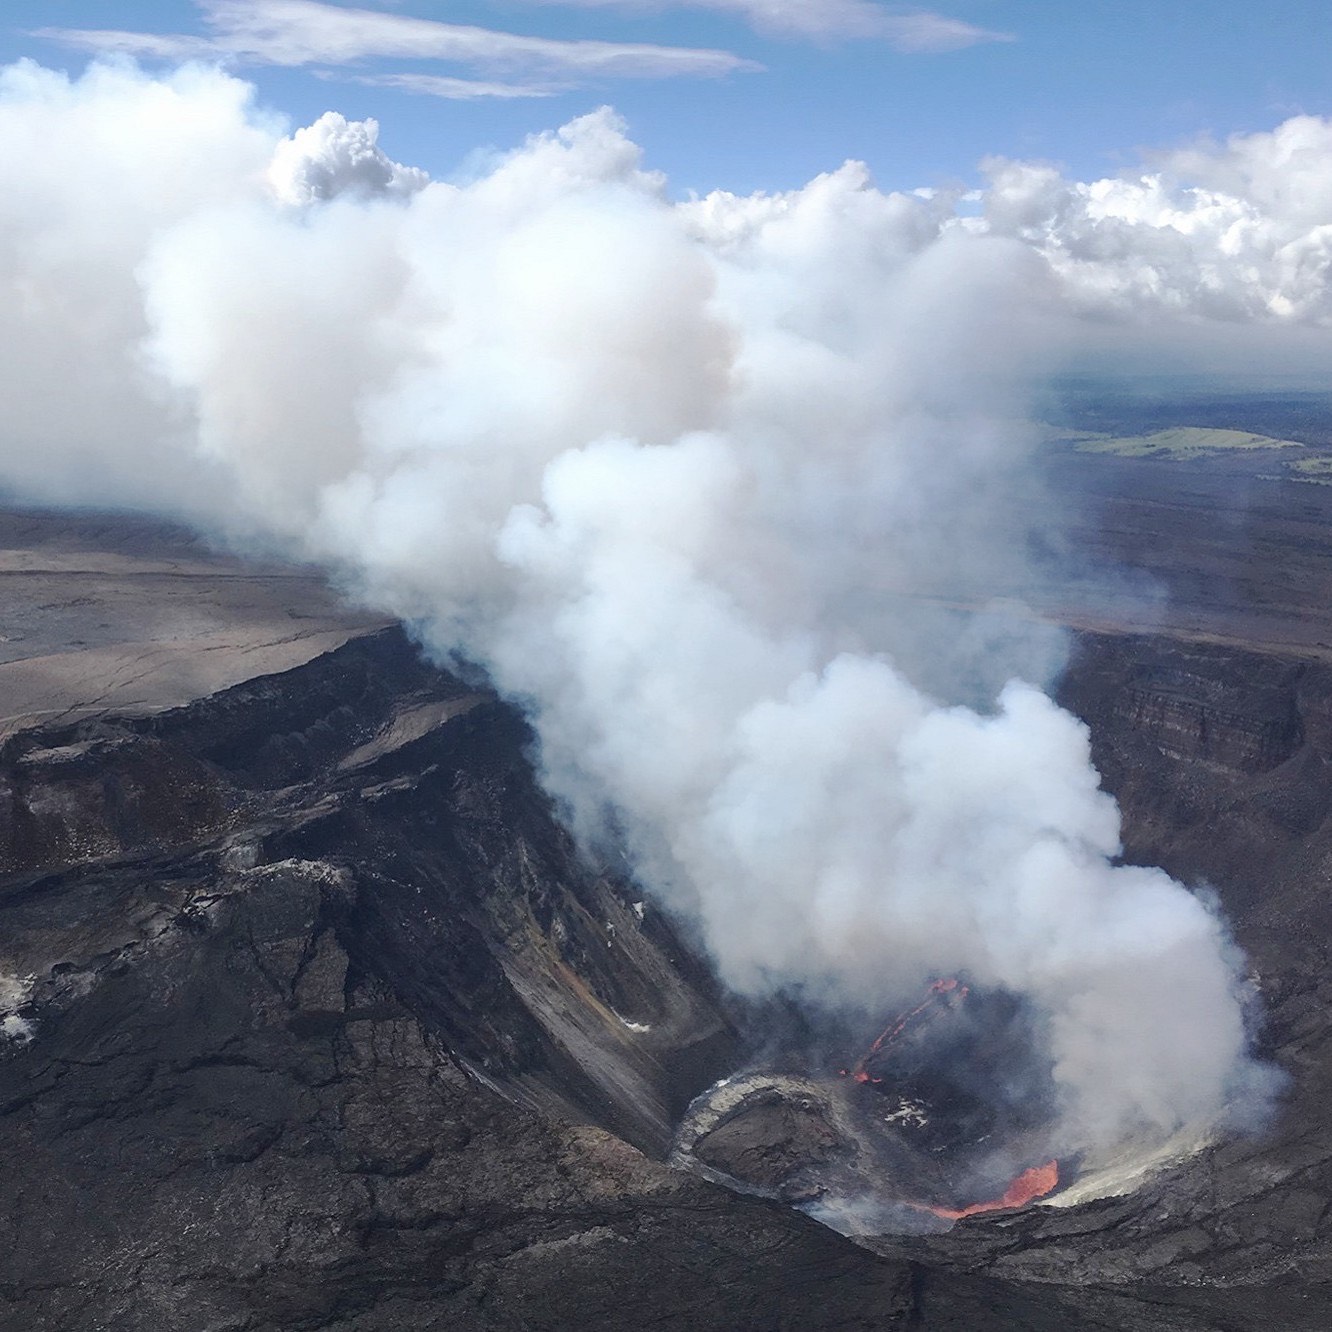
{"x":334,"y":1039}
{"x":228,"y":1124}
{"x":315,"y":1020}
{"x":464,"y":894}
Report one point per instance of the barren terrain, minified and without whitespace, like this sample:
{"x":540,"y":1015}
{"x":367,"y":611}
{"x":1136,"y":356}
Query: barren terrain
{"x":316,"y":1020}
{"x":107,"y":613}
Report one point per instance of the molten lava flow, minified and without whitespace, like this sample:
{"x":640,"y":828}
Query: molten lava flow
{"x":941,"y":995}
{"x":1026,"y":1188}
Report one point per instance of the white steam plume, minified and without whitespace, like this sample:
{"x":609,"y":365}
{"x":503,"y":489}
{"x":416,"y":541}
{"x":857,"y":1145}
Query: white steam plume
{"x":671,"y":473}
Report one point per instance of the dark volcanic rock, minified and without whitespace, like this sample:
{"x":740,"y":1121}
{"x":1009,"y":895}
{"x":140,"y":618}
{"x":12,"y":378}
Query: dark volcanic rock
{"x":233,"y":1128}
{"x":329,"y":1028}
{"x":468,"y":899}
{"x":771,"y":1143}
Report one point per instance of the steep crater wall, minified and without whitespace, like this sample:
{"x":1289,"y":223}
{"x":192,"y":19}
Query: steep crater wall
{"x":323,"y":995}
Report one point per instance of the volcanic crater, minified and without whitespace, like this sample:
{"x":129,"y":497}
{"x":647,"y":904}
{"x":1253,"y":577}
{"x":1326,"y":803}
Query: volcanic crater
{"x":299,"y":971}
{"x":947,"y":1113}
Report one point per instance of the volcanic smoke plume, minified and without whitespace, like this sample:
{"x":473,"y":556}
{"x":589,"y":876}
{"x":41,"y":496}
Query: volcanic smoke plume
{"x":671,"y":473}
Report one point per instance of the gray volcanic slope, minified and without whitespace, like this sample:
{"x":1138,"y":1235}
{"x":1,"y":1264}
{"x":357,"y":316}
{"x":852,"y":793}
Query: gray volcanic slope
{"x":316,"y":1020}
{"x":115,"y":614}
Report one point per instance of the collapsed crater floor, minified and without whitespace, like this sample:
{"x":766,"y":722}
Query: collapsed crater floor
{"x":946,"y":1115}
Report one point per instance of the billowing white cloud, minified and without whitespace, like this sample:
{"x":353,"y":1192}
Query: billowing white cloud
{"x":335,"y":157}
{"x":1238,"y":232}
{"x":69,"y":269}
{"x":307,"y":32}
{"x":682,"y":477}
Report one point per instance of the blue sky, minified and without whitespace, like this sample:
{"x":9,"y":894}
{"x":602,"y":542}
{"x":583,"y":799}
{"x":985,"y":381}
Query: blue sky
{"x":746,"y":94}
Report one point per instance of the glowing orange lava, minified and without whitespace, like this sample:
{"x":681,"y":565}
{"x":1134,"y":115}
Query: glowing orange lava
{"x":946,"y":986}
{"x":943,"y":995}
{"x":1026,"y":1188}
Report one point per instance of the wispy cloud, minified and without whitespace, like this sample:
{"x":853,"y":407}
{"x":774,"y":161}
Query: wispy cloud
{"x":799,"y":18}
{"x":307,"y":32}
{"x":458,"y":90}
{"x":922,"y":32}
{"x":149,"y":45}
{"x":913,"y":31}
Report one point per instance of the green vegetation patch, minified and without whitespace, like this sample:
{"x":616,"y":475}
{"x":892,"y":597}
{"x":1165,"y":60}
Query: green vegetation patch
{"x":1181,"y":443}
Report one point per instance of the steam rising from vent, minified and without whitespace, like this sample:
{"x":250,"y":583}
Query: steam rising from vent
{"x":673,"y":474}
